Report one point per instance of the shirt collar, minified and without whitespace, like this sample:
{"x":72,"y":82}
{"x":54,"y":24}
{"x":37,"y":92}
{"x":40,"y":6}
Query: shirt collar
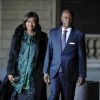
{"x":68,"y":29}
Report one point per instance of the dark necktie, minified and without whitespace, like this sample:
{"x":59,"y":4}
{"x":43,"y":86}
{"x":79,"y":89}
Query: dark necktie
{"x":64,"y":39}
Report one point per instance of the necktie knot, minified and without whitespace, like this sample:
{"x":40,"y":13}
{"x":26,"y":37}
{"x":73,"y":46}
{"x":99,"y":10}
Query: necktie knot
{"x":65,"y":31}
{"x":64,"y":35}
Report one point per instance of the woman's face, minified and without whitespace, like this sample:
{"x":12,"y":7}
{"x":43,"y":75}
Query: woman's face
{"x":30,"y":24}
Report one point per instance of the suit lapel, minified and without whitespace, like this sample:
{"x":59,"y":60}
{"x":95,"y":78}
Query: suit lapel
{"x":69,"y":38}
{"x":59,"y":38}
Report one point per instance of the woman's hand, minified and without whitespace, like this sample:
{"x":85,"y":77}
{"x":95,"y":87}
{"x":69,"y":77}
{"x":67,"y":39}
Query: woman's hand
{"x":11,"y":78}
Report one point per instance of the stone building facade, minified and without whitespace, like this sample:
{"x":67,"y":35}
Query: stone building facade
{"x":11,"y":15}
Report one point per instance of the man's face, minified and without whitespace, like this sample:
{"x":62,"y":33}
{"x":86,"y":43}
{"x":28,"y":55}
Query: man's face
{"x":66,"y":19}
{"x":30,"y":24}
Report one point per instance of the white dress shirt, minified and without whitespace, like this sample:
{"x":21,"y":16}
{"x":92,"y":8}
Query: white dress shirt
{"x":67,"y":33}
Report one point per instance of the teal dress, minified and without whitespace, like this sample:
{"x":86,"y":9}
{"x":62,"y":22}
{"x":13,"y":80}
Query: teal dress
{"x":26,"y":64}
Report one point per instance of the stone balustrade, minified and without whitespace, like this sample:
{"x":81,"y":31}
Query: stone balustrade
{"x":93,"y":50}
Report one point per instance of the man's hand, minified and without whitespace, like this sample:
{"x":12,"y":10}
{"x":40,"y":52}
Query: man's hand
{"x":46,"y":79}
{"x":11,"y":78}
{"x":81,"y":80}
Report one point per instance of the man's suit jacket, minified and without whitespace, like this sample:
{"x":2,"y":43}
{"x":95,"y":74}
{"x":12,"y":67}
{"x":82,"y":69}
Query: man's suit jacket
{"x":72,"y":59}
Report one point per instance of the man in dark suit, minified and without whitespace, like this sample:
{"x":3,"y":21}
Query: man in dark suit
{"x":65,"y":60}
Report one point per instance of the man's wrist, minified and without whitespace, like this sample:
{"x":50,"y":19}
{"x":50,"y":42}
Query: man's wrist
{"x":46,"y":74}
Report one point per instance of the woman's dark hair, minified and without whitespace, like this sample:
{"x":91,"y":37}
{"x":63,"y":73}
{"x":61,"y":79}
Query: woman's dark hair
{"x":29,"y":15}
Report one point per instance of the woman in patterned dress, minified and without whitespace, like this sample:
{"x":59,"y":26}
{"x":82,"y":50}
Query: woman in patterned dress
{"x":26,"y":59}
